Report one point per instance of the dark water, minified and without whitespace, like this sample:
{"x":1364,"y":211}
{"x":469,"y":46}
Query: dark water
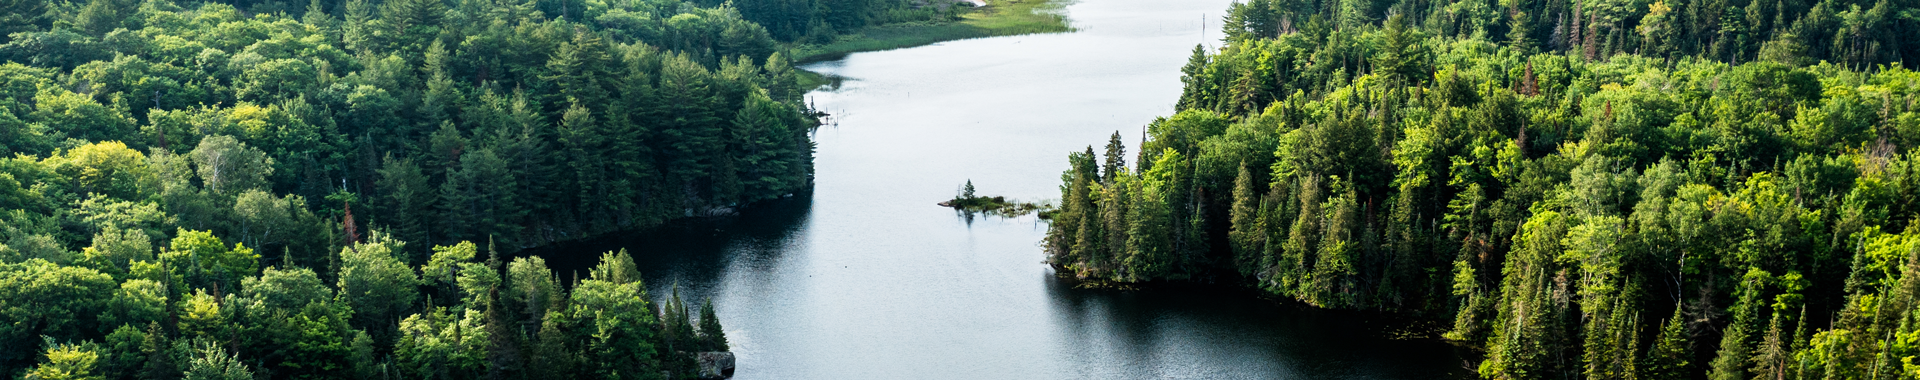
{"x":866,"y":278}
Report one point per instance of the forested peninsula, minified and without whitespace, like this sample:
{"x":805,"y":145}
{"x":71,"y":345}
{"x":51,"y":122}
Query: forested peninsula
{"x":1605,"y":189}
{"x":337,"y":189}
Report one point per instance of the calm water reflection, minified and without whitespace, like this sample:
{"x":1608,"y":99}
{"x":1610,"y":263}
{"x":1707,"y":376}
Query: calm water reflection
{"x":867,"y":279}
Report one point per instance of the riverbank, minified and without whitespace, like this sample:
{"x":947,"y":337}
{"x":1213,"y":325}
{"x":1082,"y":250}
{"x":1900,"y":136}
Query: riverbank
{"x":996,"y":18}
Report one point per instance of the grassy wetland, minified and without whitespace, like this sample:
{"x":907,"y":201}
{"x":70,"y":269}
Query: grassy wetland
{"x":995,"y":18}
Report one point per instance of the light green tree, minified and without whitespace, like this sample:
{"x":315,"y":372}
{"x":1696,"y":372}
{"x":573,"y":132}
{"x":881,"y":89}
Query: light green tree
{"x":228,"y":166}
{"x":532,"y":290}
{"x":210,"y":361}
{"x":137,"y":302}
{"x":202,"y":315}
{"x":114,"y":250}
{"x":263,"y":218}
{"x":80,"y":116}
{"x":109,"y":168}
{"x":204,"y":260}
{"x":63,"y":300}
{"x":378,"y":286}
{"x":289,"y":289}
{"x":68,"y":362}
{"x":618,"y":321}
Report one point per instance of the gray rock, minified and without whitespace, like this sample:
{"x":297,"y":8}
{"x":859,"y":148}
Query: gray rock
{"x":715,"y":365}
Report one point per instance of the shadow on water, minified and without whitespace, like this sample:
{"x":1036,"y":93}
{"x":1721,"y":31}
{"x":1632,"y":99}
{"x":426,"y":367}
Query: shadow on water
{"x":1235,"y":329}
{"x":695,"y":252}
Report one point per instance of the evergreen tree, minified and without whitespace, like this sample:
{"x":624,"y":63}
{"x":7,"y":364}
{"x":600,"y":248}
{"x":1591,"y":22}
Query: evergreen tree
{"x":710,"y":330}
{"x":406,"y":198}
{"x":1116,"y":160}
{"x":692,"y":133}
{"x":1737,"y":345}
{"x":1197,"y":90}
{"x":1668,"y":359}
{"x":18,"y":16}
{"x":211,"y":362}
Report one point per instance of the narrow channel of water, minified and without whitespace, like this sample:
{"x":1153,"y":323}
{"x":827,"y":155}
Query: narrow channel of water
{"x":867,"y":279}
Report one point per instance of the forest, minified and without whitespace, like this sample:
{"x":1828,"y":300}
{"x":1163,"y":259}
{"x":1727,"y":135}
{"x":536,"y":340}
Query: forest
{"x":338,"y":189}
{"x":1605,"y":189}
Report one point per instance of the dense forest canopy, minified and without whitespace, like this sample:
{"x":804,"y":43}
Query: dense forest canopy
{"x":334,"y":189}
{"x":1589,"y":189}
{"x":446,"y":123}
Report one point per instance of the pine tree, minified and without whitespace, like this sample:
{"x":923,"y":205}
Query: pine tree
{"x":524,"y":137}
{"x":1772,"y":361}
{"x":1115,"y":202}
{"x":17,"y":16}
{"x":580,"y":69}
{"x":1248,"y":234}
{"x":1071,"y":221}
{"x":582,"y":139}
{"x":362,"y":356}
{"x":405,"y":198}
{"x":760,"y":150}
{"x":555,"y":354}
{"x":1149,"y":229}
{"x":1520,"y":31}
{"x":357,"y":33}
{"x":782,"y":83}
{"x":1303,"y":241}
{"x":415,"y":23}
{"x":1736,"y":346}
{"x":441,"y":95}
{"x":99,"y":17}
{"x":691,"y":132}
{"x":710,"y":330}
{"x":160,"y":362}
{"x":632,"y":169}
{"x":1197,"y":92}
{"x":1671,"y":350}
{"x":317,"y":16}
{"x":1116,"y":160}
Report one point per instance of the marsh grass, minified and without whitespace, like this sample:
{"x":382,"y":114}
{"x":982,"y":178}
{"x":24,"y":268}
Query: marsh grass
{"x":812,"y":80}
{"x":997,"y":18}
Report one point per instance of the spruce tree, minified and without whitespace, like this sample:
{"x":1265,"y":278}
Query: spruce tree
{"x":1736,"y":346}
{"x":1773,"y":359}
{"x":1116,"y":162}
{"x":17,"y":16}
{"x":692,"y":133}
{"x":1668,"y":357}
{"x":1115,"y":201}
{"x":1197,"y":92}
{"x":405,"y":198}
{"x":317,"y":16}
{"x":1247,"y":236}
{"x":710,"y":330}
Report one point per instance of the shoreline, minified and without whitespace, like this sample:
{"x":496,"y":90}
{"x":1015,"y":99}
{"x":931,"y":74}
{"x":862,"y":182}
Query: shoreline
{"x":1388,"y":324}
{"x":992,"y":19}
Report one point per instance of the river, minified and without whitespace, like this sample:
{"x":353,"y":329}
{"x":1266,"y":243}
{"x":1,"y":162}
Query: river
{"x":867,"y":279}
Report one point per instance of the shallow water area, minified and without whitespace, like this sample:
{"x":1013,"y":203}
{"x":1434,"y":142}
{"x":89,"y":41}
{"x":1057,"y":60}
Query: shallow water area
{"x":866,"y":278}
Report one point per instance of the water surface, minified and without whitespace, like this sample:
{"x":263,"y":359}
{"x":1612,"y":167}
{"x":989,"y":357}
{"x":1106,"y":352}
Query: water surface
{"x":867,"y":279}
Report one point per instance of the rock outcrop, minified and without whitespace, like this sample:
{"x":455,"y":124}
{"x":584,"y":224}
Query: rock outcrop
{"x":715,"y":365}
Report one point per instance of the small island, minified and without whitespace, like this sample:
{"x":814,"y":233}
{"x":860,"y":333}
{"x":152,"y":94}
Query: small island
{"x":969,"y":203}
